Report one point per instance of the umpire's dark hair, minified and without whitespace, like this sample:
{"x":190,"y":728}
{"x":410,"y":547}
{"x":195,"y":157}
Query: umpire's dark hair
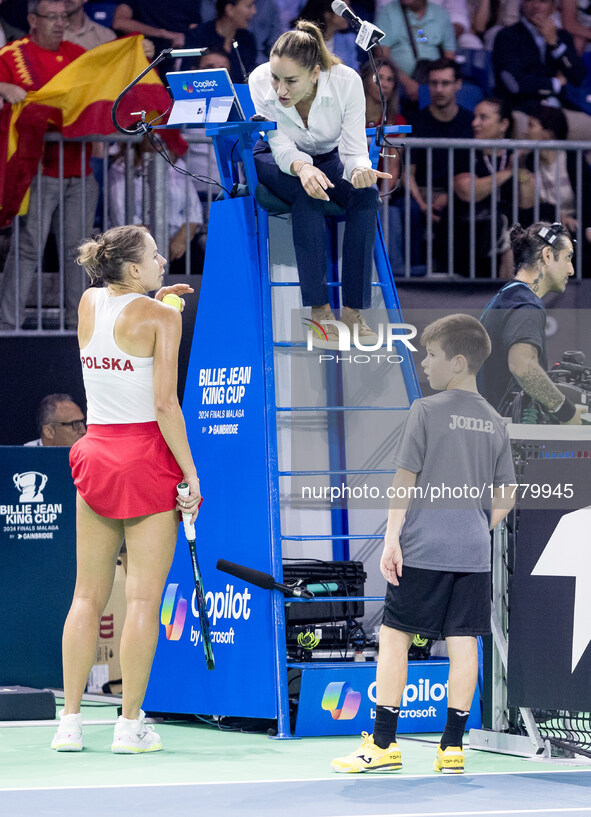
{"x":305,"y":46}
{"x":104,"y":255}
{"x":48,"y":407}
{"x":460,"y":334}
{"x":443,"y":63}
{"x":527,"y":244}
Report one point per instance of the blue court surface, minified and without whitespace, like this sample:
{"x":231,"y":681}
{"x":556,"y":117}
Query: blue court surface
{"x":211,"y":772}
{"x":544,"y":793}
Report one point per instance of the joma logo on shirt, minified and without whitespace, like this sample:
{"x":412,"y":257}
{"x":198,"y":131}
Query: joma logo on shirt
{"x":471,"y":424}
{"x":115,"y":364}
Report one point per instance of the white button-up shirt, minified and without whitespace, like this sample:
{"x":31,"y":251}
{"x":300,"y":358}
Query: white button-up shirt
{"x":336,"y":118}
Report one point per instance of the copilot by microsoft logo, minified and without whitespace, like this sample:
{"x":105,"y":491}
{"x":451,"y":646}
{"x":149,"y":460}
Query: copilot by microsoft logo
{"x":173,"y":612}
{"x":341,"y":700}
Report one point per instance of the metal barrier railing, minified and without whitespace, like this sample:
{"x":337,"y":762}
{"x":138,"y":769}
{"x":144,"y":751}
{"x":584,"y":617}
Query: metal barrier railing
{"x":46,"y":306}
{"x":473,"y":146}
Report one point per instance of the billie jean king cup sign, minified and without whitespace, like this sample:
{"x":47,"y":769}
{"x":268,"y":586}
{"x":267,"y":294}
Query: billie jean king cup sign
{"x":30,"y":484}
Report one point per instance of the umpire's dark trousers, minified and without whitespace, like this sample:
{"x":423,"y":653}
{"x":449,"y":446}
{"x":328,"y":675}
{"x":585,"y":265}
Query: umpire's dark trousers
{"x":309,"y":228}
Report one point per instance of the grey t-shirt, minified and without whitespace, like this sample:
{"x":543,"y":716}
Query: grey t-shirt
{"x":458,"y":446}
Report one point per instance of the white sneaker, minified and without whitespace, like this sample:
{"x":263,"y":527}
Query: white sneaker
{"x":324,"y":335}
{"x":354,"y":317}
{"x":133,"y":737}
{"x":68,"y":737}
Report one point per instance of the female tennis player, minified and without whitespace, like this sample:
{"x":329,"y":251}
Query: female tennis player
{"x":319,"y":153}
{"x":133,"y":455}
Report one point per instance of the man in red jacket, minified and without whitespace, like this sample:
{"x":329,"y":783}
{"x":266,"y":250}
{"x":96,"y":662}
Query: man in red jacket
{"x":26,"y":65}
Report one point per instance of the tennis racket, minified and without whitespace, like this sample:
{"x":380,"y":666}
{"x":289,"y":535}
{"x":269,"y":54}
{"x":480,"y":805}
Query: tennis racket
{"x":183,"y":490}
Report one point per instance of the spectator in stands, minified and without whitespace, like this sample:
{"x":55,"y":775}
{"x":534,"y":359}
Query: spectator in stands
{"x":460,"y":20}
{"x":576,"y":19}
{"x":339,"y":38}
{"x":229,"y":33}
{"x":391,"y":90}
{"x":443,"y":118}
{"x":556,"y":178}
{"x":489,"y":16}
{"x":266,"y":28}
{"x":60,"y":421}
{"x":185,"y":214}
{"x":390,"y":84}
{"x":533,"y":62}
{"x":416,"y":31}
{"x":45,"y":53}
{"x":82,"y":30}
{"x":166,"y":24}
{"x":492,"y":120}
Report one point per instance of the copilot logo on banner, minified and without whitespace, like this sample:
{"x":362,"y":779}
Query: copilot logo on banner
{"x":341,"y":700}
{"x":222,"y":606}
{"x":173,"y":612}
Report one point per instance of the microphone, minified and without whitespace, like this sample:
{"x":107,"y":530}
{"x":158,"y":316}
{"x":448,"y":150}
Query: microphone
{"x":187,"y":52}
{"x":368,"y":36}
{"x":342,"y":9}
{"x":242,"y":68}
{"x":260,"y":579}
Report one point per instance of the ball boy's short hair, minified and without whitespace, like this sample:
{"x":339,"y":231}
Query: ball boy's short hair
{"x":460,"y":334}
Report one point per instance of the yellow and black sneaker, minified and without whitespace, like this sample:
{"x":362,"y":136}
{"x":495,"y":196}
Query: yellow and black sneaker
{"x":369,"y":758}
{"x":449,"y":760}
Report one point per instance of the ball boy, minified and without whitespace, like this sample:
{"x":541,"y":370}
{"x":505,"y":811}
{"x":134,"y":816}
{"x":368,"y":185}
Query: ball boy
{"x":452,"y":486}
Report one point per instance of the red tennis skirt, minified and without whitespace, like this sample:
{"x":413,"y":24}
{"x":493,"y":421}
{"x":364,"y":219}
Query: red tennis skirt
{"x":125,"y":470}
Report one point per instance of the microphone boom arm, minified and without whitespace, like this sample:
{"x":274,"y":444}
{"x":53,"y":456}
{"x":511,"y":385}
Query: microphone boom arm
{"x":143,"y":126}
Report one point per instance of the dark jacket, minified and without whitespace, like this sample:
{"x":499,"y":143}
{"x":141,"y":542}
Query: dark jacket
{"x":521,"y":75}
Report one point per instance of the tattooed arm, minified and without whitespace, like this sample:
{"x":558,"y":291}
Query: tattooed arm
{"x":525,"y":368}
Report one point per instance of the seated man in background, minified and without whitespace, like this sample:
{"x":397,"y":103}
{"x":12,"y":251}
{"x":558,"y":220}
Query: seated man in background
{"x":533,"y":62}
{"x":443,"y":118}
{"x":60,"y":421}
{"x":82,"y":30}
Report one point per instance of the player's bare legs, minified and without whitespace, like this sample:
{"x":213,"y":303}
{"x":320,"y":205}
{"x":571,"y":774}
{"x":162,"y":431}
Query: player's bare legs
{"x":463,"y":671}
{"x":463,"y":675}
{"x":98,"y":541}
{"x":380,"y":752}
{"x":150,"y":547}
{"x":392,"y":666}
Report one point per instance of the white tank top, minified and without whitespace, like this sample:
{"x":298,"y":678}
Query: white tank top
{"x":119,"y":387}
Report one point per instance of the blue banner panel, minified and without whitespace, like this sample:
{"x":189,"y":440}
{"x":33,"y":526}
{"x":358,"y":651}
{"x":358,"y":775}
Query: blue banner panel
{"x":37,"y":562}
{"x":224,"y":408}
{"x":340,"y":699}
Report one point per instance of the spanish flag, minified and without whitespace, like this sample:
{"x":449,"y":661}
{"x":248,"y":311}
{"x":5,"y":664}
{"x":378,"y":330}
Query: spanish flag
{"x":78,"y":102}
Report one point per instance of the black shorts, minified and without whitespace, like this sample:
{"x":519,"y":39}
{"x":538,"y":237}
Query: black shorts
{"x":437,"y":604}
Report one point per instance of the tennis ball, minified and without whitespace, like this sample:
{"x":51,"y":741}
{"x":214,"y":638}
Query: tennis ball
{"x":173,"y":300}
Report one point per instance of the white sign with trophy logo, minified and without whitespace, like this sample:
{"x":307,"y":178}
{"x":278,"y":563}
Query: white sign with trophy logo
{"x":30,"y":517}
